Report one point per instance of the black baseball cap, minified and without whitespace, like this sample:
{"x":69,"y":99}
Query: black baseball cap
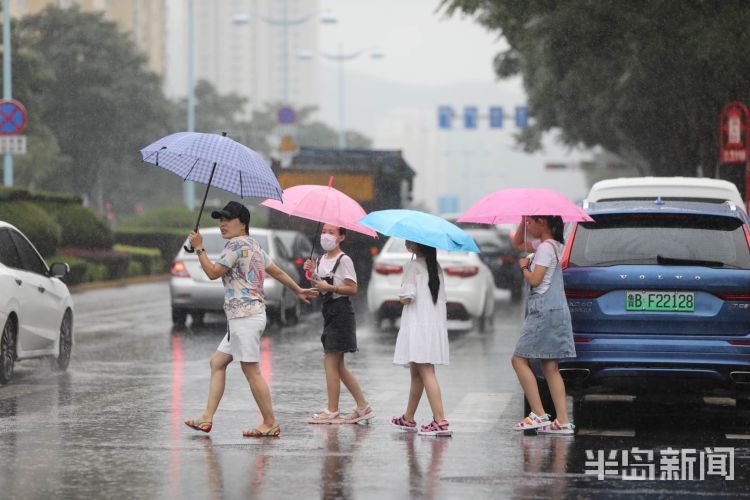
{"x":233,"y":210}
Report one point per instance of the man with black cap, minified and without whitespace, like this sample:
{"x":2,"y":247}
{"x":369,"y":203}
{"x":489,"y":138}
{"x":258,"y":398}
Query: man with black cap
{"x":242,"y":268}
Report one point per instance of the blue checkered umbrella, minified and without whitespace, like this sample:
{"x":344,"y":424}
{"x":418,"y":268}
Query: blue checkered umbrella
{"x":214,"y":160}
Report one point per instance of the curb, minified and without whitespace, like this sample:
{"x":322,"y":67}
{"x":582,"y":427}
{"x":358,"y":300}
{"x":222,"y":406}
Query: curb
{"x":135,"y":280}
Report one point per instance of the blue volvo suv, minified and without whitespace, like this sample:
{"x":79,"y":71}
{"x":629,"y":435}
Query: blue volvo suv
{"x":659,"y":295}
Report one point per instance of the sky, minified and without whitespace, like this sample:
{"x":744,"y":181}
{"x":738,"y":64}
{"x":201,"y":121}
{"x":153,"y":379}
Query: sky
{"x":421,"y":46}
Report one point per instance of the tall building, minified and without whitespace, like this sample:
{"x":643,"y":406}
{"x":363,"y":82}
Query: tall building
{"x":242,"y":46}
{"x":145,"y":20}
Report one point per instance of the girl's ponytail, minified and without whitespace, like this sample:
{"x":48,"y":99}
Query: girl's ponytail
{"x":430,"y":256}
{"x":556,"y":226}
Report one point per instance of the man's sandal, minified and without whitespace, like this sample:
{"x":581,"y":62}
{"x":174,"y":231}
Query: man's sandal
{"x":204,"y":426}
{"x":272,"y":431}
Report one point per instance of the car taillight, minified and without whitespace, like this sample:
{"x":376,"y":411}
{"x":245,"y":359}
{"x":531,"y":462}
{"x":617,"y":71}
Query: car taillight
{"x":583,"y":340}
{"x":739,"y":342}
{"x":387,"y":269}
{"x":583,"y":294}
{"x":179,"y":270}
{"x":734,"y":296}
{"x":747,"y":235}
{"x":565,"y":260}
{"x":462,"y":271}
{"x":299,"y":261}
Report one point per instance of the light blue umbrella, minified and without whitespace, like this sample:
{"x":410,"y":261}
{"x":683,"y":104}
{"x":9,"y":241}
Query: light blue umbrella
{"x":420,"y":227}
{"x":214,"y":160}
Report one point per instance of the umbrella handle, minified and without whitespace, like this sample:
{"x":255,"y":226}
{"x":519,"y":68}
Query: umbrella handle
{"x":189,"y":249}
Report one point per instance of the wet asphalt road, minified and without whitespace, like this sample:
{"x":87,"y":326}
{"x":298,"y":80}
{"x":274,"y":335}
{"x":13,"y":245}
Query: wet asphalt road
{"x":111,"y":427}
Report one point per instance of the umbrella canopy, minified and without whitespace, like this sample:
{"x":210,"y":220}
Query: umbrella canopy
{"x":420,"y":227}
{"x":510,"y":205}
{"x":215,"y":160}
{"x":324,"y":204}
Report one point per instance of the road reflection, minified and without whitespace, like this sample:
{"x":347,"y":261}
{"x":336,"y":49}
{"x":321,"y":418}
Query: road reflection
{"x":424,"y":483}
{"x":335,"y":482}
{"x":545,"y":456}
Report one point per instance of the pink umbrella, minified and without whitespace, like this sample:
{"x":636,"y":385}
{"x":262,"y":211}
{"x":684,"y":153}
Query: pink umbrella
{"x":510,"y":205}
{"x":324,"y":204}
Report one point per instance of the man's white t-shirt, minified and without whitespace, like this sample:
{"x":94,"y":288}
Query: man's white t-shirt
{"x":345,"y":271}
{"x":545,"y":255}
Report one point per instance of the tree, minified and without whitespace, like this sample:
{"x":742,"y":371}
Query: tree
{"x":101,"y":102}
{"x":644,"y":79}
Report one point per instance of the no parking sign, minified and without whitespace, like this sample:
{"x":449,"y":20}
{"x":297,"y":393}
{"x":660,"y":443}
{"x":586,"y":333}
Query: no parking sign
{"x":13,"y":117}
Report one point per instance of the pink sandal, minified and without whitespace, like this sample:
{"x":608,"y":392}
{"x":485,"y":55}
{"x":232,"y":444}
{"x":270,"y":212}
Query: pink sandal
{"x":364,"y":414}
{"x":533,"y":421}
{"x":325,"y":417}
{"x":403,"y":424}
{"x":436,"y":428}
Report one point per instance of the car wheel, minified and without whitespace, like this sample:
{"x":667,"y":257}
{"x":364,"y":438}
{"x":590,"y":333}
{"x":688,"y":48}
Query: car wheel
{"x":179,"y":316}
{"x":65,"y":350}
{"x":8,"y":350}
{"x":296,"y":312}
{"x":197,"y":317}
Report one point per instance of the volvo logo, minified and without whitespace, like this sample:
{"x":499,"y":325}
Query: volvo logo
{"x":623,"y":276}
{"x":678,"y":276}
{"x":697,"y":278}
{"x":660,"y":277}
{"x":642,"y":276}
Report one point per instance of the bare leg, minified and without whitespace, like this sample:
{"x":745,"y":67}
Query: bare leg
{"x":431,"y":387}
{"x":331,"y":361}
{"x":219,"y":362}
{"x":415,"y":392}
{"x":528,"y":383}
{"x":556,"y":389}
{"x":351,"y":383}
{"x":261,"y":393}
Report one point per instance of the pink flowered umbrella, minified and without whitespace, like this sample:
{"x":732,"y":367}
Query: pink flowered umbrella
{"x":511,"y":205}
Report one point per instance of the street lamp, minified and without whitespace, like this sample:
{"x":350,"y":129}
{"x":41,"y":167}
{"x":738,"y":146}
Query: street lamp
{"x":285,"y":22}
{"x":340,"y":58}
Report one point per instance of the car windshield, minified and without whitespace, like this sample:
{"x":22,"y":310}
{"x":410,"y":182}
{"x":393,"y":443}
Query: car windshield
{"x":397,"y":245}
{"x":664,"y":239}
{"x":214,"y":243}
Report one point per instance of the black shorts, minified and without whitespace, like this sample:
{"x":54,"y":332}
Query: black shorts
{"x":339,"y":326}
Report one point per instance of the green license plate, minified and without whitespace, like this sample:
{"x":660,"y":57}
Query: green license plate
{"x":660,"y":301}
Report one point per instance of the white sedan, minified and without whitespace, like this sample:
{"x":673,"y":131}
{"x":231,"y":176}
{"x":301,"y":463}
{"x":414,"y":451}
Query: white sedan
{"x":469,"y":286}
{"x":36,"y":309}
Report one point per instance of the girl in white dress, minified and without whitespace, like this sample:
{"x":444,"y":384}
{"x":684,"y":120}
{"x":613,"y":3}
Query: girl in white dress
{"x":422,"y":339}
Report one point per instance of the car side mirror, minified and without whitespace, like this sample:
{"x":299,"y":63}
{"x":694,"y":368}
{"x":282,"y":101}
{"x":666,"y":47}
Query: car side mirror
{"x":59,"y":270}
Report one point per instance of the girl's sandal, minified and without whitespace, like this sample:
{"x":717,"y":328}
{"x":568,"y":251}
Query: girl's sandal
{"x":533,"y":421}
{"x":436,"y":428}
{"x":272,"y":431}
{"x":556,"y":428}
{"x":364,"y":414}
{"x":325,"y":417}
{"x":204,"y":426}
{"x":403,"y":424}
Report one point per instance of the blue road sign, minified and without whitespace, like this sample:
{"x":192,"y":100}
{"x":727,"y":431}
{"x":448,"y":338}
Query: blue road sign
{"x":445,"y":117}
{"x":12,"y":117}
{"x":286,"y":115}
{"x":496,"y":117}
{"x":471,"y":116}
{"x":448,"y":204}
{"x":522,"y":116}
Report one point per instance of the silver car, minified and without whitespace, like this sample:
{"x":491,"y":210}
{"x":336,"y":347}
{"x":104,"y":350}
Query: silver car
{"x":193,"y":293}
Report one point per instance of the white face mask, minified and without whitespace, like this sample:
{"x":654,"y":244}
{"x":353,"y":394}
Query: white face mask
{"x":328,"y":242}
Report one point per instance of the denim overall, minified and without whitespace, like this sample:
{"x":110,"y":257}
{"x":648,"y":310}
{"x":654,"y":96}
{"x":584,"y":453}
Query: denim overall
{"x":547,"y":332}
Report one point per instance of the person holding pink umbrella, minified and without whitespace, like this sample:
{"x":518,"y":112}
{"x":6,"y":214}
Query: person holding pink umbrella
{"x":334,"y":276}
{"x":547,"y":333}
{"x":336,"y":280}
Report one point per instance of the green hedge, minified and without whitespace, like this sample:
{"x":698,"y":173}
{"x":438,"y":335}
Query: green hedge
{"x":34,"y":222}
{"x":168,"y":241}
{"x":80,"y":227}
{"x":143,"y":260}
{"x":116,"y":263}
{"x":175,"y":217}
{"x":16,"y":194}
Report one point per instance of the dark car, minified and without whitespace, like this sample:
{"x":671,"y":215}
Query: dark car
{"x":659,"y":296}
{"x":496,"y":250}
{"x":299,"y":248}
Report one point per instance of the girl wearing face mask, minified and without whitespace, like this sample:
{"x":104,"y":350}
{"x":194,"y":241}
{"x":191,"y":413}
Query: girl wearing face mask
{"x":422,"y":339}
{"x":335,"y":278}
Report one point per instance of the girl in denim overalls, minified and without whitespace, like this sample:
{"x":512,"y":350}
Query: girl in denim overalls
{"x":547,"y":333}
